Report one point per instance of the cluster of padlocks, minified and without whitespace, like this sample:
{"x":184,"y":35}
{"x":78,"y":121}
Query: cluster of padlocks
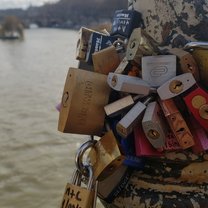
{"x":141,"y":101}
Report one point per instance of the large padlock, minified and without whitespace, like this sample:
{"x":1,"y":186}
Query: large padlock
{"x":187,"y":62}
{"x":140,"y":44}
{"x":84,"y":97}
{"x":154,"y":125}
{"x":177,"y":123}
{"x":108,"y":59}
{"x":157,"y":70}
{"x":79,"y":196}
{"x":124,"y":21}
{"x":130,"y":84}
{"x":199,"y":51}
{"x":176,"y":86}
{"x":197,"y":103}
{"x":105,"y":156}
{"x":126,"y":125}
{"x":98,"y":42}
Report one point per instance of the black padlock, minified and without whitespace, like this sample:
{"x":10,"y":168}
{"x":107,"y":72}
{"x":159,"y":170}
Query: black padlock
{"x":124,"y":21}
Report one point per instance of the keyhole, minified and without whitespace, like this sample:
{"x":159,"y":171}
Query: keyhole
{"x":65,"y":99}
{"x":132,"y":45}
{"x":153,"y":134}
{"x":114,"y":80}
{"x":176,"y":86}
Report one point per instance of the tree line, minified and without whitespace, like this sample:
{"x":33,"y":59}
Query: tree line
{"x":68,"y":13}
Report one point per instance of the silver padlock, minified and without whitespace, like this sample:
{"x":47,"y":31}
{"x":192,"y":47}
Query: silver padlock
{"x":126,"y":125}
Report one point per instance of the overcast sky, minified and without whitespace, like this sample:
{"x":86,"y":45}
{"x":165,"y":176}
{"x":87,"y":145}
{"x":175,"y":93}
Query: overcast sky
{"x":5,"y":4}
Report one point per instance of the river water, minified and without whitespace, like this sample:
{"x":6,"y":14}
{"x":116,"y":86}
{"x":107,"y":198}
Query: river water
{"x":36,"y":159}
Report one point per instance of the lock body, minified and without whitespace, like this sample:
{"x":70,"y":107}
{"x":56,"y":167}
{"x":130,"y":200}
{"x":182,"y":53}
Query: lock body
{"x":106,"y":60}
{"x":105,"y":156}
{"x":177,"y":123}
{"x":98,"y":42}
{"x":124,"y":21}
{"x":157,"y":70}
{"x":197,"y":103}
{"x":84,"y":97}
{"x":125,"y":83}
{"x":176,"y":86}
{"x":154,"y":126}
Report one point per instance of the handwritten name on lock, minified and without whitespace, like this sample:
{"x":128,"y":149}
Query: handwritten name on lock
{"x":72,"y":198}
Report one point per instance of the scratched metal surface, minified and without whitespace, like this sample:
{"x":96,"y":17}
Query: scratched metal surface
{"x":180,"y":179}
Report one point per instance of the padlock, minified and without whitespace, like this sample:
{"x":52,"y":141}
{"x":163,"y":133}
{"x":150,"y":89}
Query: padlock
{"x":199,"y":135}
{"x":125,"y":83}
{"x":154,"y":125}
{"x":79,"y":196}
{"x":197,"y":103}
{"x":106,"y":156}
{"x":177,"y":123}
{"x":82,"y":43}
{"x":126,"y":125}
{"x":176,"y":86}
{"x":124,"y":21}
{"x":98,"y":42}
{"x":187,"y":62}
{"x":140,"y":44}
{"x":142,"y":145}
{"x":199,"y":51}
{"x":109,"y":188}
{"x":108,"y":59}
{"x":118,"y":106}
{"x":157,"y":70}
{"x":84,"y":97}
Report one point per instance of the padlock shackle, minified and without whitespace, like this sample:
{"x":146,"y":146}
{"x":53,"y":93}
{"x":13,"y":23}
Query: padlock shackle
{"x":198,"y":44}
{"x":80,"y":153}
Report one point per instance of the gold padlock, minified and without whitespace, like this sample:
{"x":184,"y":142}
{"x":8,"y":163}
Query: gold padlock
{"x":84,"y":97}
{"x":108,"y":59}
{"x":77,"y":196}
{"x":105,"y":156}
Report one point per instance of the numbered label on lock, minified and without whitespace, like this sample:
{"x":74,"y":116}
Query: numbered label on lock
{"x":77,"y":196}
{"x":125,"y":83}
{"x":177,"y":123}
{"x":154,"y":126}
{"x":157,"y":70}
{"x":176,"y":86}
{"x":197,"y":102}
{"x":105,"y":156}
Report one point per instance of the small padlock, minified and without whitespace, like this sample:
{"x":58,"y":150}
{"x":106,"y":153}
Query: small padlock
{"x":177,"y":123}
{"x":187,"y":62}
{"x":118,"y":106}
{"x":154,"y":125}
{"x":98,"y":42}
{"x":108,"y":59}
{"x":82,"y":43}
{"x":106,"y":156}
{"x":176,"y":86}
{"x":199,"y":135}
{"x":77,"y":196}
{"x":142,"y":146}
{"x":157,"y":70}
{"x":199,"y":51}
{"x":197,"y":103}
{"x":125,"y":83}
{"x":126,"y":125}
{"x":124,"y":21}
{"x":140,"y":44}
{"x":84,"y":97}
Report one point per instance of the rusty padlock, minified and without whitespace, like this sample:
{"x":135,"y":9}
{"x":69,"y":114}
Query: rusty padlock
{"x":84,"y":97}
{"x":108,"y":59}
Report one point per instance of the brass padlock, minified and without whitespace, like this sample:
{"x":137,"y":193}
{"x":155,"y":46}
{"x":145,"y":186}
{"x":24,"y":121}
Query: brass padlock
{"x":108,"y":59}
{"x":105,"y":156}
{"x":77,"y":196}
{"x":140,"y":44}
{"x":84,"y":97}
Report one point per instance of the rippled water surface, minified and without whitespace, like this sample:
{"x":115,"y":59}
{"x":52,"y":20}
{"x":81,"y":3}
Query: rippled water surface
{"x":36,"y":159}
